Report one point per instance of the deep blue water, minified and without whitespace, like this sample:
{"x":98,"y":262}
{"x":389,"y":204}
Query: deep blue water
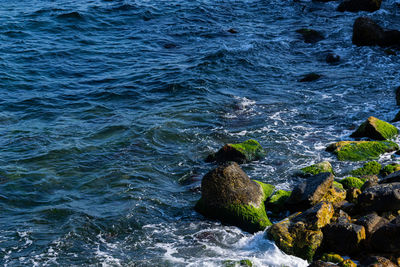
{"x":108,"y":108}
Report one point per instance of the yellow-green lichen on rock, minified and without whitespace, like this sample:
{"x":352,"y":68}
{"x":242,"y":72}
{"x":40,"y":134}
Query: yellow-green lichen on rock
{"x":317,"y":168}
{"x":369,"y":168}
{"x":347,"y":263}
{"x":331,"y":257}
{"x":376,"y":129}
{"x":361,"y":150}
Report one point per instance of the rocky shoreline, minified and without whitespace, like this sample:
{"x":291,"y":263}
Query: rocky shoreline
{"x":332,"y":221}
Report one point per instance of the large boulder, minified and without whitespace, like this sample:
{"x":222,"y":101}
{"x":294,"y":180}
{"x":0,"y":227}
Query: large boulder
{"x":382,"y":197}
{"x":371,"y":222}
{"x":241,"y":153}
{"x":391,"y":178}
{"x":367,"y":32}
{"x":361,"y":150}
{"x":301,"y":234}
{"x":343,"y":237}
{"x":376,"y":129}
{"x":310,"y":192}
{"x":387,"y":238}
{"x":230,"y":196}
{"x":359,"y":5}
{"x":315,"y":169}
{"x":352,"y":182}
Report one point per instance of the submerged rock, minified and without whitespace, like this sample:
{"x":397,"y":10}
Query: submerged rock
{"x":361,"y":150}
{"x":367,"y":32}
{"x":382,"y":197}
{"x":310,"y":192}
{"x":369,"y":168}
{"x":332,"y":58}
{"x":230,"y":196}
{"x":310,"y":77}
{"x":310,"y":36}
{"x":315,"y":169}
{"x":359,"y":5}
{"x":387,"y":237}
{"x":376,"y":129}
{"x":241,"y":153}
{"x":232,"y":263}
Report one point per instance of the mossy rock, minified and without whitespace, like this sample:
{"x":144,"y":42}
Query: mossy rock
{"x":352,"y":182}
{"x":369,"y":168}
{"x":317,"y":168}
{"x":230,"y":196}
{"x":337,"y":185}
{"x":376,"y":129}
{"x":335,"y":194}
{"x":233,"y":263}
{"x":331,"y":257}
{"x":347,"y":263}
{"x":390,"y":168}
{"x":247,"y":151}
{"x":276,"y":203}
{"x":361,"y":150}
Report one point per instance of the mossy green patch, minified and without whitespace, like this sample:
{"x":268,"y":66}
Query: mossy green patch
{"x":390,"y":168}
{"x":330,"y":257}
{"x":268,"y":189}
{"x":387,"y":130}
{"x":352,"y":182}
{"x":369,"y":168}
{"x":232,"y":263}
{"x":337,"y":185}
{"x":361,"y":150}
{"x":276,"y":203}
{"x":251,"y":149}
{"x":317,"y":168}
{"x":347,"y":263}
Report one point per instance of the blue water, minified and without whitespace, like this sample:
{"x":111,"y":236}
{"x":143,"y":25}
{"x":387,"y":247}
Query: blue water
{"x":108,"y":109}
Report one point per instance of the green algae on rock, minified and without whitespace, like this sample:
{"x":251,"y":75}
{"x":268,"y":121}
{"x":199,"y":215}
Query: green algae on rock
{"x":390,"y":168}
{"x":361,"y":150}
{"x":317,"y":168}
{"x":241,"y":153}
{"x":376,"y":129}
{"x":352,"y":182}
{"x":276,"y":202}
{"x":230,"y":196}
{"x":369,"y":168}
{"x":331,"y":257}
{"x":337,"y":185}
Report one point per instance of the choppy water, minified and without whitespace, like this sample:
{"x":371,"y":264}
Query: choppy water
{"x":108,"y":108}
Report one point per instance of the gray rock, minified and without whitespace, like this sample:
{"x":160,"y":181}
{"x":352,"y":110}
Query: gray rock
{"x":371,"y":222}
{"x":391,"y":178}
{"x":387,"y":237}
{"x":343,"y":238}
{"x":382,"y":197}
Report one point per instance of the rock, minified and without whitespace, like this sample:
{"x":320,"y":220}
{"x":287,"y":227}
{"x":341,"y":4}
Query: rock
{"x":391,"y":168}
{"x":369,"y":168}
{"x":341,"y":217}
{"x":337,"y":185}
{"x":352,"y":194}
{"x":331,"y":257}
{"x":241,"y":153}
{"x":377,"y":261}
{"x":390,"y":52}
{"x":368,"y":184}
{"x":352,"y":182}
{"x":387,"y":237}
{"x":316,"y":217}
{"x":310,"y":192}
{"x":382,"y":197}
{"x":233,"y":31}
{"x":371,"y":222}
{"x":321,"y":264}
{"x":315,"y":169}
{"x":398,"y":96}
{"x":230,"y":196}
{"x":361,"y":150}
{"x":359,"y":5}
{"x":277,"y":202}
{"x":347,"y":263}
{"x":396,"y":117}
{"x":343,"y":237}
{"x":310,"y":77}
{"x":232,"y":263}
{"x":347,"y":207}
{"x":295,"y":238}
{"x":332,"y":58}
{"x":367,"y":32}
{"x":334,"y":195}
{"x":391,"y":178}
{"x":310,"y":36}
{"x":370,"y":180}
{"x":376,"y":129}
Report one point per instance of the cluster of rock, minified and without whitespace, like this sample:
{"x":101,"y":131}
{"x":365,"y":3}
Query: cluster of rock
{"x":357,"y":217}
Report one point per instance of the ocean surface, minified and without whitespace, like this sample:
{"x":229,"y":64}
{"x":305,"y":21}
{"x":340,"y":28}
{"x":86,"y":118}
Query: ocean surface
{"x":108,"y":109}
